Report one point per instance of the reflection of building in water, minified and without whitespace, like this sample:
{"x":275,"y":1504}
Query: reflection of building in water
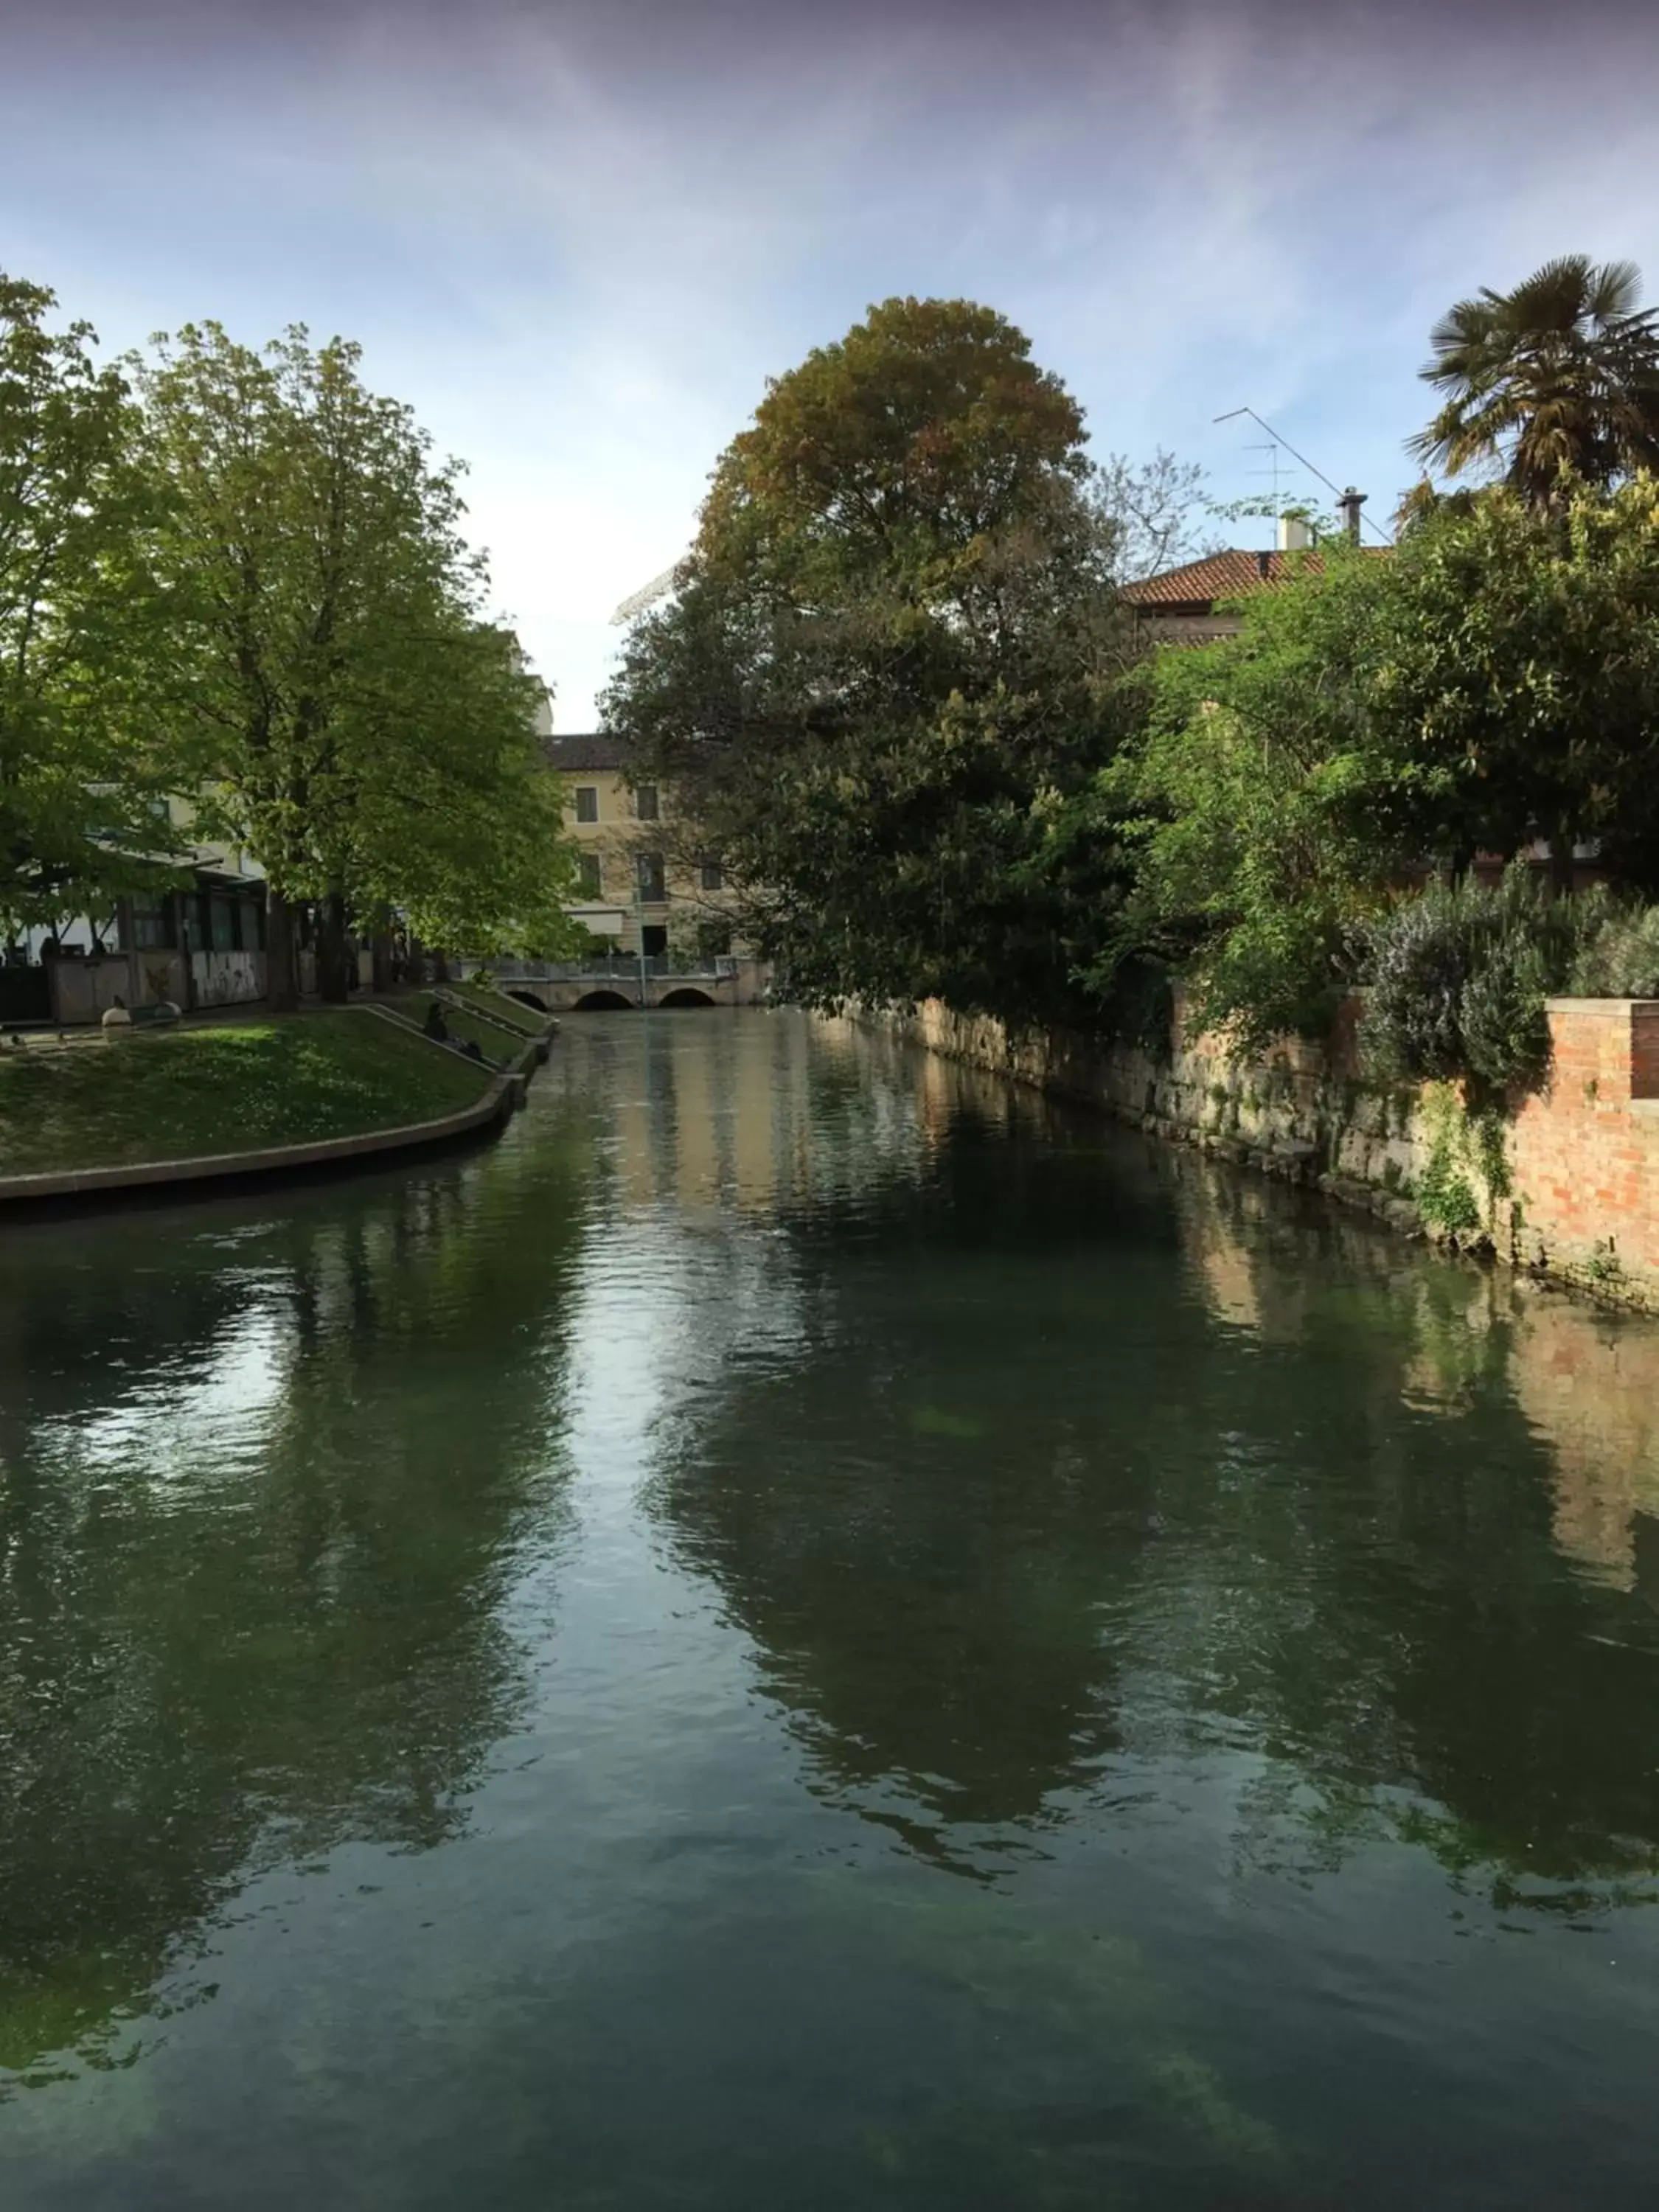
{"x":753,"y":1111}
{"x":714,"y":1115}
{"x":744,"y":1113}
{"x":1222,"y":1260}
{"x":1590,"y":1390}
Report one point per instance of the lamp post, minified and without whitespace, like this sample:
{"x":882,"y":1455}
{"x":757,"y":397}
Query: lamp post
{"x":638,"y":919}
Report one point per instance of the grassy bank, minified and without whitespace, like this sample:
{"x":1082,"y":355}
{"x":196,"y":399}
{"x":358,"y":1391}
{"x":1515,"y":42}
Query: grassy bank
{"x":497,"y":1044}
{"x":223,"y":1087}
{"x":526,"y":1019}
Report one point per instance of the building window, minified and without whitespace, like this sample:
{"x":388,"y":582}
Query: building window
{"x":645,"y":802}
{"x":250,"y":914}
{"x":587,"y":802}
{"x":152,"y":927}
{"x":588,"y":881}
{"x":221,"y":925}
{"x":714,"y":876}
{"x":653,"y":891}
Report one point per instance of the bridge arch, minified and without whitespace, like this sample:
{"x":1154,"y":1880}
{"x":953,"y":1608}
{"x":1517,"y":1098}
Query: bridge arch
{"x":527,"y":998}
{"x":686,"y":995}
{"x":602,"y":1002}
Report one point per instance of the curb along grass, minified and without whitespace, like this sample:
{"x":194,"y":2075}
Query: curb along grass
{"x":409,"y":1071}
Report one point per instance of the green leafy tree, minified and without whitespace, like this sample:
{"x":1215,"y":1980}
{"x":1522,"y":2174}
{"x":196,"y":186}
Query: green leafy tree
{"x":1518,"y":661}
{"x":329,"y":680}
{"x":890,"y":660}
{"x":1267,"y":805}
{"x":1493,"y":681}
{"x":462,"y":838}
{"x":81,"y":806}
{"x":1560,"y":374}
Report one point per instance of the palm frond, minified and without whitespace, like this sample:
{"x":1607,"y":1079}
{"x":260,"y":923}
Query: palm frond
{"x":1561,"y":373}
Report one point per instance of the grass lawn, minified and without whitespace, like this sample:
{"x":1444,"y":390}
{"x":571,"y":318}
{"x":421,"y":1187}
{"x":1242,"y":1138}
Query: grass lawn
{"x":224,"y":1087}
{"x":513,"y":1012}
{"x":501,"y":1045}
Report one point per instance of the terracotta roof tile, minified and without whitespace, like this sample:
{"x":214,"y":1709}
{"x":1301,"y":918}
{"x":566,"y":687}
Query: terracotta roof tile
{"x":1221,"y":576}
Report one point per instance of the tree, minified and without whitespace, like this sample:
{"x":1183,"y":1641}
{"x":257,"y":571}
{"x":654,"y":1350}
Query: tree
{"x":889,"y":658}
{"x":1493,"y":681}
{"x":1518,"y":661}
{"x":1265,"y":804}
{"x":1562,"y":374}
{"x":464,"y":838}
{"x":330,"y":681}
{"x":80,"y":805}
{"x":1157,"y":512}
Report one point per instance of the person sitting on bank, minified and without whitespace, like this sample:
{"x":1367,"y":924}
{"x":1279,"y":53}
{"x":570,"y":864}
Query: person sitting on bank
{"x":435,"y":1024}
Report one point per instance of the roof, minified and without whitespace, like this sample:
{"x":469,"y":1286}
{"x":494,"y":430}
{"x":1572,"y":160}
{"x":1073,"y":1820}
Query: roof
{"x":1225,"y":576}
{"x":591,"y":754}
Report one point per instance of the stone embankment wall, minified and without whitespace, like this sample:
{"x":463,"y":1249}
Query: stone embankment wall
{"x":1566,"y":1186}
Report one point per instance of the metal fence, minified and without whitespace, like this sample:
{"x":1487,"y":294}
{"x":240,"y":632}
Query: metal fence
{"x":600,"y":966}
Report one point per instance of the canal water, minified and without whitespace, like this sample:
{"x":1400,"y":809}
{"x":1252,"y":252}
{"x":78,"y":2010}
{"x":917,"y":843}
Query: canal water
{"x":811,"y":1630}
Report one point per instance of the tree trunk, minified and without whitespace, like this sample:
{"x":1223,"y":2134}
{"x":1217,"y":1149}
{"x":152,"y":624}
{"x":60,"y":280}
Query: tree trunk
{"x":333,"y":982}
{"x":440,"y":968}
{"x":1561,"y":868}
{"x":380,"y":950}
{"x":281,"y":955}
{"x":416,"y":962}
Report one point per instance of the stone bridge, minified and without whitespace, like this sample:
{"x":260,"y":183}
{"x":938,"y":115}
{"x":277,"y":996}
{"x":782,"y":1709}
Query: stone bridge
{"x":611,"y":984}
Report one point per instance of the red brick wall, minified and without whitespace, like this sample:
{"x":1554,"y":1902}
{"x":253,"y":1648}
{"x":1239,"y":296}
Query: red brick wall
{"x":1585,"y":1151}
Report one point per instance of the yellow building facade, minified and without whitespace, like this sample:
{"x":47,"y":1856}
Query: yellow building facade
{"x":646,"y":883}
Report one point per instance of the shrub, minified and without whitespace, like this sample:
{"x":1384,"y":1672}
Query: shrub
{"x":1459,"y":975}
{"x":1620,"y":959}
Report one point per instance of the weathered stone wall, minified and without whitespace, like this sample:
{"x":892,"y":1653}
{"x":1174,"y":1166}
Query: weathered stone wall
{"x":1568,"y":1187}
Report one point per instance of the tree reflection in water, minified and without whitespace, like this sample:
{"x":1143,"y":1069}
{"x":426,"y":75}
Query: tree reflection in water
{"x":251,"y":1599}
{"x":1039,"y":1510}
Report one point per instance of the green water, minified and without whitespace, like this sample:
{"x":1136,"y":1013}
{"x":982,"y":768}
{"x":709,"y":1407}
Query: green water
{"x":810,"y":1631}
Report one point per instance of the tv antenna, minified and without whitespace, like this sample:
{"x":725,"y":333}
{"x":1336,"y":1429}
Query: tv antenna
{"x":1232,"y":415}
{"x":1274,"y":448}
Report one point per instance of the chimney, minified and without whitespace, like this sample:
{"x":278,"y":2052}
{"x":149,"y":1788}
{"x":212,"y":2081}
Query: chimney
{"x":1294,"y":535}
{"x":1350,"y":502}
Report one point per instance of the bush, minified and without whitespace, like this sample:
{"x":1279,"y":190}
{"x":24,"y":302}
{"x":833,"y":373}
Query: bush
{"x":1621,"y":958}
{"x":1459,"y":975}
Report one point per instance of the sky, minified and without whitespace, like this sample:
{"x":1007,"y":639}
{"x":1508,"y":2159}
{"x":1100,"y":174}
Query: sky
{"x":578,"y":235}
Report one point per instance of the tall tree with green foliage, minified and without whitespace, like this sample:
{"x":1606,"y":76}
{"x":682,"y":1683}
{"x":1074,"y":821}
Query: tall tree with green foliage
{"x":1560,"y":374}
{"x":1493,"y":681}
{"x":331,"y":684}
{"x":460,"y":827}
{"x":80,"y":803}
{"x":890,"y":658}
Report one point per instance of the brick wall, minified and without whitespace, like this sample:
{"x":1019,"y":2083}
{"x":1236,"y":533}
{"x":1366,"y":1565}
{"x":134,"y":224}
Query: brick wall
{"x":1582,"y":1204}
{"x":1585,"y":1151}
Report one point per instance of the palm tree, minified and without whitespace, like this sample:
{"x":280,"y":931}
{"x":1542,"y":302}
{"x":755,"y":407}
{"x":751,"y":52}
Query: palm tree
{"x":1561,"y":373}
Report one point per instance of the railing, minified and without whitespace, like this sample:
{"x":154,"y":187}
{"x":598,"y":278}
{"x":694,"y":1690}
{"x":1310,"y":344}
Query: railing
{"x":601,"y":967}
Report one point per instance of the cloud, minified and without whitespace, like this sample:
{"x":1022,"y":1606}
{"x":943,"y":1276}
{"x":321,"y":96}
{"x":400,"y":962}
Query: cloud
{"x":579,"y":237}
